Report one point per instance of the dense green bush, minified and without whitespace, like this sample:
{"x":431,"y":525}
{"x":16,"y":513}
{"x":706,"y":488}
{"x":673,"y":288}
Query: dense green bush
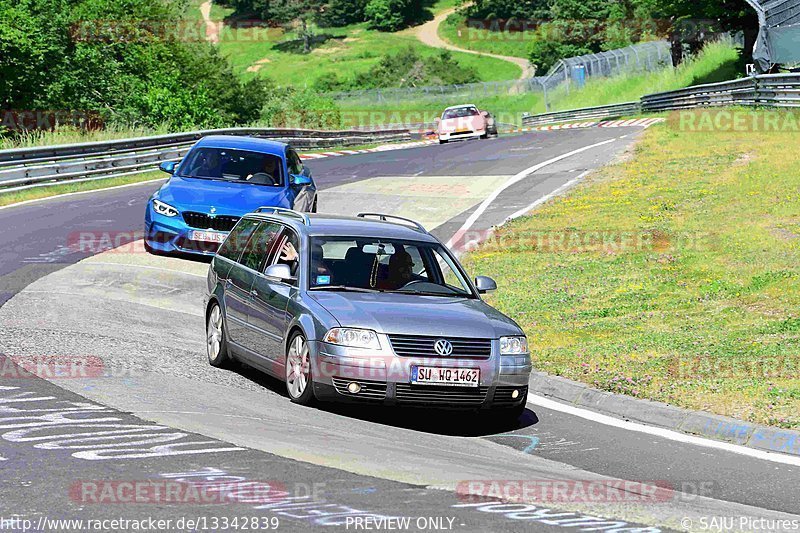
{"x":120,"y":59}
{"x":392,"y":15}
{"x":407,"y":68}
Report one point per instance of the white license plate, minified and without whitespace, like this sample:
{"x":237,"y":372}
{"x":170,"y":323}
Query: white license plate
{"x":207,"y":236}
{"x":433,"y":375}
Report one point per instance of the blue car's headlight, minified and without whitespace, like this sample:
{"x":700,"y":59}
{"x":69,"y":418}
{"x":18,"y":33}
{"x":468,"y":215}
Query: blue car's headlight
{"x":164,"y":209}
{"x":513,"y":346}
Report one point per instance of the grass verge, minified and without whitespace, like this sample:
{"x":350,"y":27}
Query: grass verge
{"x":672,"y":276}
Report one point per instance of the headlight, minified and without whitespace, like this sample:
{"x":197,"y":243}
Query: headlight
{"x":513,"y":345}
{"x":357,"y":338}
{"x":164,"y":209}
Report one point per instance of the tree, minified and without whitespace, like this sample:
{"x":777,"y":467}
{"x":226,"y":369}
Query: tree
{"x":692,"y":22}
{"x":299,"y":15}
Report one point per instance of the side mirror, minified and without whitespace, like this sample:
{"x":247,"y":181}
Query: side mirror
{"x":485,"y":284}
{"x":299,"y":180}
{"x":279,"y":272}
{"x":168,"y":167}
{"x":485,"y":114}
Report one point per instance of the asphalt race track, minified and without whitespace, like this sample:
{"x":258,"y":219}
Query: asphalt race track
{"x":150,"y":410}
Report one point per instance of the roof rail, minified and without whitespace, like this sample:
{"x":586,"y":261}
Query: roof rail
{"x":283,"y":211}
{"x":387,"y":218}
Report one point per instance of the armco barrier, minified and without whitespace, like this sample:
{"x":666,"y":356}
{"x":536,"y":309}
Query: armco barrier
{"x":39,"y":166}
{"x":587,"y":113}
{"x":769,"y":90}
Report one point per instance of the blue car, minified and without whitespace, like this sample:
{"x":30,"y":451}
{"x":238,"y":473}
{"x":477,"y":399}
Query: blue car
{"x":221,"y":179}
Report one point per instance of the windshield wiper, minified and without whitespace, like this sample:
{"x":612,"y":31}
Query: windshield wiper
{"x":423,"y":293}
{"x":341,"y":288}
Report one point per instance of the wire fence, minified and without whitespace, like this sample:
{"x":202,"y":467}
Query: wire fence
{"x":567,"y":73}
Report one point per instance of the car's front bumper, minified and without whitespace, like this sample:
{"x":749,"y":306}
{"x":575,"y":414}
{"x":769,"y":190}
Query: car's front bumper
{"x":386,"y":378}
{"x":172,"y":235}
{"x":454,"y":136}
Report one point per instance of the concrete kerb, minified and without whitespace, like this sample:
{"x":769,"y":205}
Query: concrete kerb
{"x":666,"y":416}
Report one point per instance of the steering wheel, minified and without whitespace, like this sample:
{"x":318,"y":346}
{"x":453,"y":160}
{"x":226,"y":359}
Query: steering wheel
{"x":261,"y":178}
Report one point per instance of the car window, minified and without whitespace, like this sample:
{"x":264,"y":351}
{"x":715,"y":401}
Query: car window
{"x":287,"y":251}
{"x":460,"y":112}
{"x":386,"y":265}
{"x":233,"y":165}
{"x":294,"y":162}
{"x":237,"y":239}
{"x":259,"y":245}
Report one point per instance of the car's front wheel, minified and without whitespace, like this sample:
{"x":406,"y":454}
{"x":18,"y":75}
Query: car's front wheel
{"x":216,"y":343}
{"x":299,"y":381}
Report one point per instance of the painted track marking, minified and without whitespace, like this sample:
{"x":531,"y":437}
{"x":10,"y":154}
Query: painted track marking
{"x":668,"y":434}
{"x":514,"y":180}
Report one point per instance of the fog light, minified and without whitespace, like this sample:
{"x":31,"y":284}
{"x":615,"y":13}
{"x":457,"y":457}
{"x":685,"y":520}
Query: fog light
{"x":514,"y":394}
{"x":354,"y":388}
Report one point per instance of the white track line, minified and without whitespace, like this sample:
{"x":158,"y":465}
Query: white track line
{"x":515,"y":179}
{"x":661,"y":432}
{"x":547,"y":197}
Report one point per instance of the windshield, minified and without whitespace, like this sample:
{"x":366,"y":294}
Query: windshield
{"x":233,"y":165}
{"x":381,"y":265}
{"x":460,"y":112}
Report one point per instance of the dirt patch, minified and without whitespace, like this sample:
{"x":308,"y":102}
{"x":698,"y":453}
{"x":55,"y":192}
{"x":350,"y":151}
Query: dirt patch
{"x":258,"y":65}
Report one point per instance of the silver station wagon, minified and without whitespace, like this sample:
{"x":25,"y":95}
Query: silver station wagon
{"x":370,"y":309}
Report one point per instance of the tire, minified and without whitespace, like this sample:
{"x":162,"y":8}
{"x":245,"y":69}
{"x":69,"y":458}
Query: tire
{"x":299,"y":382}
{"x":442,"y":142}
{"x":485,"y":135}
{"x":216,"y":342}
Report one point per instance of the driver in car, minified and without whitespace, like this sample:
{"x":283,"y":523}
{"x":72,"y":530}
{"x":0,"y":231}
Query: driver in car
{"x":401,"y":270}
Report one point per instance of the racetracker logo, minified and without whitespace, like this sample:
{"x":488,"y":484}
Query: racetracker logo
{"x":566,"y":491}
{"x":173,"y":492}
{"x":51,"y":367}
{"x":47,"y":120}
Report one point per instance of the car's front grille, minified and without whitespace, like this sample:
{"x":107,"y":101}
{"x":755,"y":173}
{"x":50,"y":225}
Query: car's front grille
{"x":419,"y":346}
{"x":370,"y":390}
{"x":502,"y":395}
{"x":204,"y":221}
{"x":438,"y":395}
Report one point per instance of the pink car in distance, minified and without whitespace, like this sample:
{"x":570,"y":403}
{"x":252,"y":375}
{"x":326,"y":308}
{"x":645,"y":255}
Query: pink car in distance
{"x":463,"y":122}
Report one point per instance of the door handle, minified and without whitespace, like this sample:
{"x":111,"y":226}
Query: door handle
{"x":253,"y":292}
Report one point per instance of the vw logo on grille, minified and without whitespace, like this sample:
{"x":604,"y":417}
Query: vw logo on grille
{"x":443,"y":347}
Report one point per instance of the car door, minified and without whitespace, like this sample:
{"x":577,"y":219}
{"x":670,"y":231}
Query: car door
{"x":237,"y":282}
{"x":253,"y":257}
{"x":271,"y":300}
{"x":303,"y":195}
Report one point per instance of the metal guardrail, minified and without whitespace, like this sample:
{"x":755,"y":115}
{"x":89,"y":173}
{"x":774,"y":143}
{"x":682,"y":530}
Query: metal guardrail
{"x":586,"y":113}
{"x":768,"y":90}
{"x":40,"y":166}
